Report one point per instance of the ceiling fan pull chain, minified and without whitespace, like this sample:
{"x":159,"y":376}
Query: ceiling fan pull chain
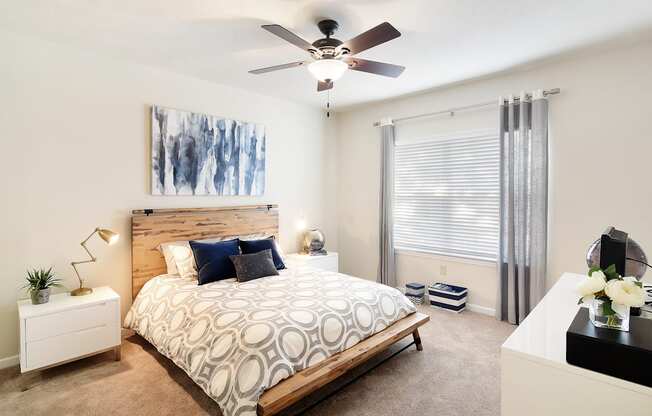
{"x":328,"y":104}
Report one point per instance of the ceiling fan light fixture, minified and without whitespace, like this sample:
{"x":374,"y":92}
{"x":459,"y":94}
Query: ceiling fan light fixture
{"x":327,"y":69}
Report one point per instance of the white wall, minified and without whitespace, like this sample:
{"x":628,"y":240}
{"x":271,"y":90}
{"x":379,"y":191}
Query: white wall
{"x":74,"y":136}
{"x":600,"y":161}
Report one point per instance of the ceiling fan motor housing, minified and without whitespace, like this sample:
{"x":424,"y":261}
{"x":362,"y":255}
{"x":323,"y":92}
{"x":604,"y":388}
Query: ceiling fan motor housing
{"x":327,"y":45}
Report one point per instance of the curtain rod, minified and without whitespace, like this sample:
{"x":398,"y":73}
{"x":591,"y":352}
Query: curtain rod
{"x":454,"y":110}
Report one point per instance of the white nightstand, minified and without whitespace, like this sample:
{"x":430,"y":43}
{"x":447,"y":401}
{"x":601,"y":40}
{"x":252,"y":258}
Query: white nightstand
{"x":68,"y":328}
{"x":328,"y":262}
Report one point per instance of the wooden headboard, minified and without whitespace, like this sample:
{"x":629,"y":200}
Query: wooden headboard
{"x":149,"y":228}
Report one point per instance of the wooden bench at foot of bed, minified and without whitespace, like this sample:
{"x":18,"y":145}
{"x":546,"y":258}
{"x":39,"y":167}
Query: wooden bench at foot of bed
{"x":306,"y":381}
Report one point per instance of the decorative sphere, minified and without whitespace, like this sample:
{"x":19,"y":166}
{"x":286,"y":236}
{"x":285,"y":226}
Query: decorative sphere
{"x":634,"y":251}
{"x":314,"y":240}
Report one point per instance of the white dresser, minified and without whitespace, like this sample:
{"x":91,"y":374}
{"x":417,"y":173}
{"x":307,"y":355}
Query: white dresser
{"x":537,"y":381}
{"x":328,"y":262}
{"x":68,"y":328}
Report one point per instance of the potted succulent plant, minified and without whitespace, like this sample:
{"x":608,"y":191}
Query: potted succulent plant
{"x":39,"y":283}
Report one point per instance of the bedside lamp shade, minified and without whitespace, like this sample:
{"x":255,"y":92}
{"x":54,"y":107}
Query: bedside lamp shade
{"x":108,"y":236}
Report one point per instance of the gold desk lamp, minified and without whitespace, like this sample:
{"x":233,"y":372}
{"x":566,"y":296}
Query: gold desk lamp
{"x":109,"y":237}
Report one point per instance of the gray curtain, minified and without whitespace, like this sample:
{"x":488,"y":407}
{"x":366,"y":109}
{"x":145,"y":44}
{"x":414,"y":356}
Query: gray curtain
{"x":523,"y":205}
{"x":387,"y":265}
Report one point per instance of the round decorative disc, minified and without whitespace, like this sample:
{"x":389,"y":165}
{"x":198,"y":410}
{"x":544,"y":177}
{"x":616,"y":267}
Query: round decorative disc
{"x":632,"y":267}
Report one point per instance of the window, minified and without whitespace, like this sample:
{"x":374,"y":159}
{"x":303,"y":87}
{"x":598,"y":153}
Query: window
{"x":447,"y":195}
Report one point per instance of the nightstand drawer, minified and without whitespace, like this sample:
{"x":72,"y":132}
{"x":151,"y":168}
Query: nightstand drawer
{"x":68,"y":346}
{"x":328,"y":262}
{"x":325,"y":263}
{"x":72,"y":320}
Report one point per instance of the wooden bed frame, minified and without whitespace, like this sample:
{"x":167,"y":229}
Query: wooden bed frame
{"x":150,"y":228}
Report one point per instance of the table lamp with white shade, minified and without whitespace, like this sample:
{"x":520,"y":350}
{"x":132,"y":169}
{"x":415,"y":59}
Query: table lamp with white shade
{"x":109,"y":237}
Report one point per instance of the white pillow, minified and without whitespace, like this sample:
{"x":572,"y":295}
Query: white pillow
{"x":180,"y":259}
{"x":169,"y":257}
{"x":184,"y":259}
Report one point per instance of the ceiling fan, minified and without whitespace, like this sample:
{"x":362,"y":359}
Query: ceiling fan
{"x":331,"y":57}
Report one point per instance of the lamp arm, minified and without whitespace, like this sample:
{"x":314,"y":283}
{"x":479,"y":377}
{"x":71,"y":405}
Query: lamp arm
{"x":92,"y":259}
{"x":89,"y":237}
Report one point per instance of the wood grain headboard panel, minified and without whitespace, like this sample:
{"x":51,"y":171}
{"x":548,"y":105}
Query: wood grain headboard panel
{"x":150,"y":228}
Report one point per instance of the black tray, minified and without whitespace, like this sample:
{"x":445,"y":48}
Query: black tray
{"x":626,"y":355}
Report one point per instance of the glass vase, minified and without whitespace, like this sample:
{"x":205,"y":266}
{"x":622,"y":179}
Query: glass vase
{"x":613,"y":321}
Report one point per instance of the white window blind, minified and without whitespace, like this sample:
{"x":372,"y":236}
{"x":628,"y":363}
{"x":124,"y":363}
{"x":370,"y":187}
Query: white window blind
{"x":447,"y":196}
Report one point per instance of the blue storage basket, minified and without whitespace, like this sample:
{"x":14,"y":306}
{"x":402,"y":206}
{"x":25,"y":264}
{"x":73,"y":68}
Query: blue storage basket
{"x":415,"y":289}
{"x":449,"y":297}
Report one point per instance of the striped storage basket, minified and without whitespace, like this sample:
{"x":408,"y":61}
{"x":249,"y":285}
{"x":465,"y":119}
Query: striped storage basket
{"x":415,"y":289}
{"x":449,"y":297}
{"x":415,"y":299}
{"x":415,"y":292}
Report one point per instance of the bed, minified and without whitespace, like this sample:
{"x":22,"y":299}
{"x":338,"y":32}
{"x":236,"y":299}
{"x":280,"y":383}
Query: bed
{"x":260,"y":346}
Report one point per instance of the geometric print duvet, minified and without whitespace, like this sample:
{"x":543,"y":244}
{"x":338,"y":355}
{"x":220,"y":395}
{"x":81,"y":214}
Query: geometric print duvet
{"x":235,"y":340}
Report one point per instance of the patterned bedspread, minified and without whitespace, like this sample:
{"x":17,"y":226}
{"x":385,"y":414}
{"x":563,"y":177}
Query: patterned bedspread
{"x":235,"y":340}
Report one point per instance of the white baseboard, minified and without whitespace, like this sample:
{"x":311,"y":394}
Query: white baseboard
{"x":9,"y":361}
{"x":481,"y":309}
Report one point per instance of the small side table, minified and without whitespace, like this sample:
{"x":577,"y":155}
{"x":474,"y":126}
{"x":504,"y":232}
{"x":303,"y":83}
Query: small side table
{"x":328,"y":262}
{"x":68,"y":328}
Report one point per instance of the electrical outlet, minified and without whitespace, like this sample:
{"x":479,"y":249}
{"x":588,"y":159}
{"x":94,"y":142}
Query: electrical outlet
{"x":443,"y":270}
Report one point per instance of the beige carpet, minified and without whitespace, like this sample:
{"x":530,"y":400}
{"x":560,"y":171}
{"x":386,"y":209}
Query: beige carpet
{"x":456,"y":374}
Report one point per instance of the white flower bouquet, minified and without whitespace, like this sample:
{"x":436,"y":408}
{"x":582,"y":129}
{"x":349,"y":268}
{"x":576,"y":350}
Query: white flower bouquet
{"x":609,"y":296}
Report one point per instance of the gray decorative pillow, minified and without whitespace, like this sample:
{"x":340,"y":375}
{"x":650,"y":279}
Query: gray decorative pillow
{"x":254,"y":266}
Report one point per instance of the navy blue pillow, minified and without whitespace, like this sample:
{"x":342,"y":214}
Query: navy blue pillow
{"x":213,"y":261}
{"x":254,"y":246}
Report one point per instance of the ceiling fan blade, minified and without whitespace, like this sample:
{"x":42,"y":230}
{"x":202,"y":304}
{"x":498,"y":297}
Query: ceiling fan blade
{"x":277,"y":67}
{"x":288,"y":36}
{"x":323,"y":86}
{"x":382,"y":33}
{"x":374,"y":67}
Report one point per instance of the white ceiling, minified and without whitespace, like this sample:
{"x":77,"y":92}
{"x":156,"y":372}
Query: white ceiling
{"x":443,"y":41}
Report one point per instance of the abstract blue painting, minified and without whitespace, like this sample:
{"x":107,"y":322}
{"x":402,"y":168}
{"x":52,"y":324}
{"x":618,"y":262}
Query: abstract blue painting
{"x":199,"y":154}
